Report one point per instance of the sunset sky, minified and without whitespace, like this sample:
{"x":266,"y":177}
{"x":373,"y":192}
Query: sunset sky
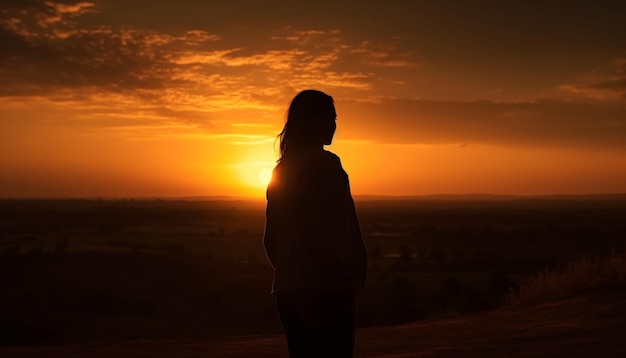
{"x":118,"y":98}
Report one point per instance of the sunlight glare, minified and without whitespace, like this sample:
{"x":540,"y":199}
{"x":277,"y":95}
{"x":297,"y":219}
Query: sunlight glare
{"x":265,"y":176}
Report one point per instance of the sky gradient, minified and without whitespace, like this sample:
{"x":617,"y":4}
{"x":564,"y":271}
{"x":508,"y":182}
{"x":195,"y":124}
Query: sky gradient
{"x":116,"y":98}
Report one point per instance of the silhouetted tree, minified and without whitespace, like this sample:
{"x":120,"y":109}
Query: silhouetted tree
{"x":438,"y":257}
{"x":406,"y":254}
{"x":36,"y":250}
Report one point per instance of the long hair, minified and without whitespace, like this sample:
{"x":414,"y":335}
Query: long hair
{"x":305,"y":119}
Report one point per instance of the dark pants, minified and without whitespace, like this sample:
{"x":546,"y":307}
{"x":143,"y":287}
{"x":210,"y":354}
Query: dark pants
{"x":318,"y":323}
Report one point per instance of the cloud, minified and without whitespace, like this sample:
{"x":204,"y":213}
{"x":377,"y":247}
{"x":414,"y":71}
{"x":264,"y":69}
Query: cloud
{"x":185,"y":76}
{"x":603,"y":85}
{"x":47,"y":50}
{"x":543,"y":123}
{"x":196,"y":82}
{"x":387,"y":54}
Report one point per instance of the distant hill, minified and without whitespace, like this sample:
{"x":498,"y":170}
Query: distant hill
{"x":488,"y":197}
{"x":363,"y":197}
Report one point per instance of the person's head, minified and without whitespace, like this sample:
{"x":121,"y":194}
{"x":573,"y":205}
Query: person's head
{"x":310,"y":122}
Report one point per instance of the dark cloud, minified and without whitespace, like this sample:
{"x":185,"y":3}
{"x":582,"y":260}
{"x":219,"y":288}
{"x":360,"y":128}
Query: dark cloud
{"x":616,"y":84}
{"x":603,"y":86}
{"x":184,"y":75}
{"x":81,"y":60}
{"x":545,"y":123}
{"x":44,"y":50}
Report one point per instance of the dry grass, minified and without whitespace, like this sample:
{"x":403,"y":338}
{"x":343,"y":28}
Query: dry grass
{"x":586,"y":274}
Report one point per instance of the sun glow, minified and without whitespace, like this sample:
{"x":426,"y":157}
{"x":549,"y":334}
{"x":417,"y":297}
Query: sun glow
{"x":254,"y":177}
{"x":265,"y":176}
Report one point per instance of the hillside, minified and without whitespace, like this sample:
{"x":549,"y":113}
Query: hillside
{"x":590,"y":325}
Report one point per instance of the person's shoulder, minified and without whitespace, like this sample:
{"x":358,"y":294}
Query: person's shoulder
{"x":330,"y":163}
{"x":331,"y":157}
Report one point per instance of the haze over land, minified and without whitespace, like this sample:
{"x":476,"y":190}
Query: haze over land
{"x":115,"y":99}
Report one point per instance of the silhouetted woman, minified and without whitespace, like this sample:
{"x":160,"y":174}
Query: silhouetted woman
{"x":312,"y":236}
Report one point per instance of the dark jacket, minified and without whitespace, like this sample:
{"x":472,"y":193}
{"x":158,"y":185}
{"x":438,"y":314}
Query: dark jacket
{"x":312,"y":236}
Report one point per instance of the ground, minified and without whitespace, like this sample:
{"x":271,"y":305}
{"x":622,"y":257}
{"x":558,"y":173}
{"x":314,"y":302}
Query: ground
{"x":588,"y":325}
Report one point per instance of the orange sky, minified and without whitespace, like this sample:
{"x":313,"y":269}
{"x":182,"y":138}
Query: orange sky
{"x":114,"y":98}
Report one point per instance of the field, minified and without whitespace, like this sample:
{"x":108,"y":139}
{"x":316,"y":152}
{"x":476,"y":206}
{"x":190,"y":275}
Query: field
{"x":74,"y":271}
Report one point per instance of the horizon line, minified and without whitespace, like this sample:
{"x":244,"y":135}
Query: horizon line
{"x":361,"y":197}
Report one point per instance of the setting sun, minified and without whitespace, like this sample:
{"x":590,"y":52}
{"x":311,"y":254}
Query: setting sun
{"x":265,"y":176}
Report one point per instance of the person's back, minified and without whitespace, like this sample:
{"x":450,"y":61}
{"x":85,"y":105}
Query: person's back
{"x":312,"y":236}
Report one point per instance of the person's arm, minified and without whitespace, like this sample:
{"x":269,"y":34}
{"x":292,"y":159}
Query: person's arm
{"x":353,"y":247}
{"x":336,"y":227}
{"x":359,"y":250}
{"x":330,"y":211}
